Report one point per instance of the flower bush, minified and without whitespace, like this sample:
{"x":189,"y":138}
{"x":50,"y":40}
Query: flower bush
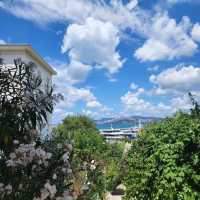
{"x":31,"y":167}
{"x":39,"y":170}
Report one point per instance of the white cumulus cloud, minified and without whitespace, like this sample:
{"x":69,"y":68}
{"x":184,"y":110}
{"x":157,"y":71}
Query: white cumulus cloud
{"x":93,"y":104}
{"x":133,"y":86}
{"x":67,"y":76}
{"x":181,"y":103}
{"x":76,"y":11}
{"x":179,"y":1}
{"x":178,"y":79}
{"x":167,"y":40}
{"x":136,"y":105}
{"x":47,"y":11}
{"x":196,"y":32}
{"x":93,"y":43}
{"x":2,"y":41}
{"x":69,"y":73}
{"x":73,"y":95}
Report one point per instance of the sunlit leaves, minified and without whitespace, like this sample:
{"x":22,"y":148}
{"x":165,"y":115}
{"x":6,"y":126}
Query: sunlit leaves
{"x":164,"y":161}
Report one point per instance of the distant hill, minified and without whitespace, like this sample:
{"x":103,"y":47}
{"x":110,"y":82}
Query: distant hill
{"x":124,"y":122}
{"x":134,"y":119}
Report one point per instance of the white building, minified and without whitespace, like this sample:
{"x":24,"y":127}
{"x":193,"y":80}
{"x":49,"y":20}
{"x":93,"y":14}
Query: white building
{"x":9,"y":52}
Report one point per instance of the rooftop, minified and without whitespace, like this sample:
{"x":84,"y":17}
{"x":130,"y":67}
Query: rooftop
{"x":29,"y":50}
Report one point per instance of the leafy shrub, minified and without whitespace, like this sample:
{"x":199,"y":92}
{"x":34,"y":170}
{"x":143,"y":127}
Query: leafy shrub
{"x":164,"y":161}
{"x":89,"y":148}
{"x":30,"y":167}
{"x":115,"y":165}
{"x":102,"y":160}
{"x":25,"y":102}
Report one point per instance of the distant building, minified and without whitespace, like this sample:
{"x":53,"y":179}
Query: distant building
{"x":114,"y":135}
{"x":9,"y":52}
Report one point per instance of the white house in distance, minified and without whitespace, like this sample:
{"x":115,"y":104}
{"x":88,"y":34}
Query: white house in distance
{"x":9,"y":52}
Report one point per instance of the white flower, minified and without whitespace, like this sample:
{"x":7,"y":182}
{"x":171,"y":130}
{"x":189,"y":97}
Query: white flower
{"x":26,"y":153}
{"x":12,"y":156}
{"x":59,"y":198}
{"x":85,"y":187}
{"x":51,"y":188}
{"x":10,"y":163}
{"x":49,"y":155}
{"x":54,"y":177}
{"x":1,"y":187}
{"x":93,"y":161}
{"x":65,"y":157}
{"x":69,"y":171}
{"x":92,"y":167}
{"x":8,"y":188}
{"x":67,"y":196}
{"x":15,"y":142}
{"x":44,"y":194}
{"x":64,"y":169}
{"x":59,"y":146}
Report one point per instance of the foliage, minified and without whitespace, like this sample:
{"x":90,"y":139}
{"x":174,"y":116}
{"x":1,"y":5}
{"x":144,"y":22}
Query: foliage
{"x":89,"y":148}
{"x":195,"y":111}
{"x":88,"y":143}
{"x":164,"y":161}
{"x":101,"y":159}
{"x":115,"y":165}
{"x":78,"y":123}
{"x":39,"y":170}
{"x":25,"y":102}
{"x":30,"y":167}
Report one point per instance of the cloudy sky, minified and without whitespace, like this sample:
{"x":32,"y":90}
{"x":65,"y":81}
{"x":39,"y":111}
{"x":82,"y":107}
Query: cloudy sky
{"x":112,"y":57}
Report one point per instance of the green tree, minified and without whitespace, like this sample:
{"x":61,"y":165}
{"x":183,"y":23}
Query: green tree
{"x":72,"y":125}
{"x":164,"y":161}
{"x":195,"y":111}
{"x":88,"y":155}
{"x":88,"y":143}
{"x":90,"y":146}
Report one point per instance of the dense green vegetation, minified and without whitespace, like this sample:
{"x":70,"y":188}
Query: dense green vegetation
{"x":31,"y":166}
{"x":74,"y":163}
{"x":23,"y":104}
{"x":77,"y":163}
{"x":164,"y":161}
{"x":92,"y":149}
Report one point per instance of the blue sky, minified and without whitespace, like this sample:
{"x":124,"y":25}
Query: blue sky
{"x":113,"y":58}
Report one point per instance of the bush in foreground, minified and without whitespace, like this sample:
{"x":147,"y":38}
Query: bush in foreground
{"x":31,"y":168}
{"x":102,"y":160}
{"x":164,"y":161}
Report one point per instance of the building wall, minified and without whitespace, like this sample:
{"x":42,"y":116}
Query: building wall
{"x":8,"y":58}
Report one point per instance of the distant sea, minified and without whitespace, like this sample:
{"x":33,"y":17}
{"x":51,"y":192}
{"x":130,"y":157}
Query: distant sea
{"x":117,"y":125}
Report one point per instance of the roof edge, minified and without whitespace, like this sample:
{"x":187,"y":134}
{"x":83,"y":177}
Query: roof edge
{"x":32,"y":52}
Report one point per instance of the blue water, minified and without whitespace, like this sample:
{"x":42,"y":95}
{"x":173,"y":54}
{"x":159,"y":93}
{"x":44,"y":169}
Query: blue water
{"x":116,"y":125}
